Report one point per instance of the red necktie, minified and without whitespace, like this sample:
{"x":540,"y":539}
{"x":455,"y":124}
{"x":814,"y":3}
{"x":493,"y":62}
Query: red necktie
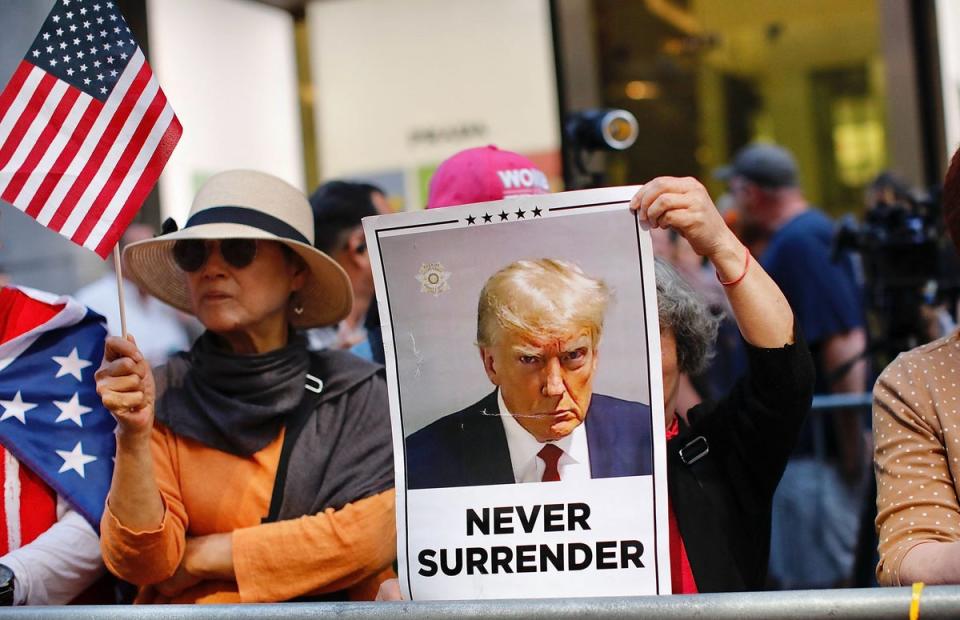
{"x":551,"y":455}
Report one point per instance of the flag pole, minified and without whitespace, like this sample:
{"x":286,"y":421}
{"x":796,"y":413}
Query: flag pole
{"x":119,"y":270}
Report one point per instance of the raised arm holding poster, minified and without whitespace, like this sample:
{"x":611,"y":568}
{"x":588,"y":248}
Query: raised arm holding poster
{"x":523,"y":359}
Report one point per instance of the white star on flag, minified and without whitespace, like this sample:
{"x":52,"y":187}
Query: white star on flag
{"x":16,"y":408}
{"x":75,"y":460}
{"x":71,"y":410}
{"x":65,"y":427}
{"x":71,"y":365}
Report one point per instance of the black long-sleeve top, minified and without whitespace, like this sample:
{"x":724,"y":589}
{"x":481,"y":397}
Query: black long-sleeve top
{"x":723,"y":500}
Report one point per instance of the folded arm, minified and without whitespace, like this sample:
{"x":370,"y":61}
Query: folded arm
{"x":316,"y":554}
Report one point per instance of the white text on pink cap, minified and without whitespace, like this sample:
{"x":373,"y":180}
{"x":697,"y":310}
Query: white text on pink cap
{"x":517,"y":180}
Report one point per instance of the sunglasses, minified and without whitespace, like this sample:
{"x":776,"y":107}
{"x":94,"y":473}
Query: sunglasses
{"x":191,"y":254}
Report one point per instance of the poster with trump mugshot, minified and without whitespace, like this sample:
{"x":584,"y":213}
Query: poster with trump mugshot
{"x":523,"y":362}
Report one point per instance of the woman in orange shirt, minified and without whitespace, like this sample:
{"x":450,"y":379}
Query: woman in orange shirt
{"x":247,"y":469}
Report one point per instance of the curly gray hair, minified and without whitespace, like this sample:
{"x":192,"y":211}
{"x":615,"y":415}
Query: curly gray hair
{"x":683,"y":310}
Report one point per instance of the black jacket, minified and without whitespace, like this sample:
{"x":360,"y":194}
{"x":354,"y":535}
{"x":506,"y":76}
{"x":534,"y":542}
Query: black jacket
{"x":722,"y":501}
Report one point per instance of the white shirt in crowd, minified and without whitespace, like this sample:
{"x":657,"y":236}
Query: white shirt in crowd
{"x":154,"y":324}
{"x":574,"y":464}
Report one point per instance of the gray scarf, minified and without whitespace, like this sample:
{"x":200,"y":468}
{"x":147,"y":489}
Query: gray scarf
{"x":340,"y":452}
{"x":234,"y":403}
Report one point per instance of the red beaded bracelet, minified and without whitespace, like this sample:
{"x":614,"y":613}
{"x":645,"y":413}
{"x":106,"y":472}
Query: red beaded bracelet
{"x":746,"y":266}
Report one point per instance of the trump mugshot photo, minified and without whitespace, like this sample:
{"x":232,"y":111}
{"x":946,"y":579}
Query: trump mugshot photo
{"x":521,"y":350}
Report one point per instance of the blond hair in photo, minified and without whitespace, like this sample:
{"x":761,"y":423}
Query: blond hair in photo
{"x":543,"y":298}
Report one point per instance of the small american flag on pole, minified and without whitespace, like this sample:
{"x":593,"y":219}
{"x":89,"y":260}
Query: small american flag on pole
{"x":84,"y":128}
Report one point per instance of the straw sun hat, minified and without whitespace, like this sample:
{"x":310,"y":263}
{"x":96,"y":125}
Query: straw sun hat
{"x":244,"y":204}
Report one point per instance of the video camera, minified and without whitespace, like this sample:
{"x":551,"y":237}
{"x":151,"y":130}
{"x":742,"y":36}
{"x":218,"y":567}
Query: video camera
{"x":907,"y":263}
{"x":899,"y":239}
{"x":593,"y":130}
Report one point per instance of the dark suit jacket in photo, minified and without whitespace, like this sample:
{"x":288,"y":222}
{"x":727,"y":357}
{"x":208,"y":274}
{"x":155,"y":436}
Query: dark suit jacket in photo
{"x":469,"y":448}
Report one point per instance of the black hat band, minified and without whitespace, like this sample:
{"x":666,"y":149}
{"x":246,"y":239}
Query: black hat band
{"x":246,"y":217}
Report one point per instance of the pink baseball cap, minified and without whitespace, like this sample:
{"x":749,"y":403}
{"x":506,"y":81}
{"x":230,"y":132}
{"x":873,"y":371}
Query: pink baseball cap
{"x":483,"y":174}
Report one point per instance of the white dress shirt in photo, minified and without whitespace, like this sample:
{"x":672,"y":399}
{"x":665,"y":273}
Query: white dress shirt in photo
{"x":524,"y":447}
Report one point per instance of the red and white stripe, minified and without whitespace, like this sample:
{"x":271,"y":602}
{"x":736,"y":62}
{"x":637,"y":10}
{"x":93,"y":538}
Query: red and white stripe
{"x":79,"y":166}
{"x":11,"y":499}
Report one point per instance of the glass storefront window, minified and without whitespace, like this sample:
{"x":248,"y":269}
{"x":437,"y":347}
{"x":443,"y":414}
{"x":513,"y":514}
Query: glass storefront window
{"x":705,"y":77}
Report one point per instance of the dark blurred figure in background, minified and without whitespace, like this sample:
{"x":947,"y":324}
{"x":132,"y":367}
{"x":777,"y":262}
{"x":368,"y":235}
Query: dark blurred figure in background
{"x":893,"y":206}
{"x":887,"y":189}
{"x":817,"y":505}
{"x":338,"y":209}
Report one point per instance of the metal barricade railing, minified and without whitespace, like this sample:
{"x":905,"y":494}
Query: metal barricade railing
{"x":936,"y":603}
{"x":823,"y":402}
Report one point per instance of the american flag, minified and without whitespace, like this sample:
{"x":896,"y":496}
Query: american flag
{"x":51,"y":418}
{"x":84,"y":128}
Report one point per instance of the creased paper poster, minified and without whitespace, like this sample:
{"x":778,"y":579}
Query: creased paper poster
{"x":523,"y":363}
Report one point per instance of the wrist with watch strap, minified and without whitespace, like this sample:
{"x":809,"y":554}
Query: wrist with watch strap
{"x":6,"y":586}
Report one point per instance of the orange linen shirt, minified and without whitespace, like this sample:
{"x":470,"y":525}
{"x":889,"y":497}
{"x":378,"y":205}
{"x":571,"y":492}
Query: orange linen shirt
{"x":206,"y":491}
